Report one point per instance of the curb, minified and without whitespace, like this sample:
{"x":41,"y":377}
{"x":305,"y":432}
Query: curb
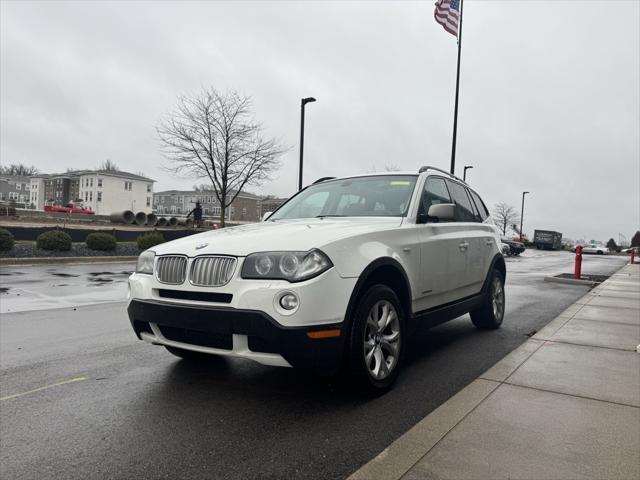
{"x":9,"y":262}
{"x":570,"y":281}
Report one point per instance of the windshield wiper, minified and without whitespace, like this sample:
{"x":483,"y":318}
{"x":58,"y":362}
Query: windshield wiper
{"x":329,"y":215}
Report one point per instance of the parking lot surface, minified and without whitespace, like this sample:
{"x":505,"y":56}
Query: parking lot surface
{"x":81,"y":397}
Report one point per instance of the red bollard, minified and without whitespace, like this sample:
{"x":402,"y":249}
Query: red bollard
{"x":577,"y":272}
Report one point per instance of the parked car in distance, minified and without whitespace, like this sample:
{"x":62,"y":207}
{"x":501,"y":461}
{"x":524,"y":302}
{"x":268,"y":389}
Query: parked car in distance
{"x":594,"y":249}
{"x":338,"y":276}
{"x":515,"y":247}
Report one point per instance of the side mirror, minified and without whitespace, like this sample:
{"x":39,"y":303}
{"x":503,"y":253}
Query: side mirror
{"x":266,"y":216}
{"x":444,"y":212}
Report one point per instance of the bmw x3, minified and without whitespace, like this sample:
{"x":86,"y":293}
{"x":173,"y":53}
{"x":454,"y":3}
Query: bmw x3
{"x":334,"y":280}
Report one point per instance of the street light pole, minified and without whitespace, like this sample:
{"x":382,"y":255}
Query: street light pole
{"x":303,"y":102}
{"x":464,"y":174}
{"x":522,"y":214}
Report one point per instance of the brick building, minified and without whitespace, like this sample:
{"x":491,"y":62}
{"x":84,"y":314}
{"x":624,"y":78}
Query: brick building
{"x":245,"y":208}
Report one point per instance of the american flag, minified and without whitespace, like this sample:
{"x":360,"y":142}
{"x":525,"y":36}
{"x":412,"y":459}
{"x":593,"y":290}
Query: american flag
{"x":447,"y":14}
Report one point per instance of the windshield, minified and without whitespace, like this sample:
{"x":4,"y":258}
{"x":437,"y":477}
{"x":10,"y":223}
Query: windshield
{"x":374,"y":196}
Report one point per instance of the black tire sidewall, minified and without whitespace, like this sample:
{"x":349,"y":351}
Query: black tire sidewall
{"x":357,"y":368}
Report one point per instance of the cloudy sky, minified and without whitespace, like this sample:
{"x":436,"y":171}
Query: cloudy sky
{"x":550,"y":92}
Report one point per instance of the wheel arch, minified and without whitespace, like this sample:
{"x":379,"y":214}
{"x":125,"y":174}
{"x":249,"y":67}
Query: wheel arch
{"x":497,"y":263}
{"x":385,"y":271}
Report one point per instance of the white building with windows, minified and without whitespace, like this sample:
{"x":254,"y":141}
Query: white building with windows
{"x":103,"y":191}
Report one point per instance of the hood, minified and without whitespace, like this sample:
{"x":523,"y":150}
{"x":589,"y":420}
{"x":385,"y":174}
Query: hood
{"x":282,"y":235}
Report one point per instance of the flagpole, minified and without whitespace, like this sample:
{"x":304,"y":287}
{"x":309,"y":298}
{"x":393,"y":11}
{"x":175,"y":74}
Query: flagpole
{"x":455,"y":112}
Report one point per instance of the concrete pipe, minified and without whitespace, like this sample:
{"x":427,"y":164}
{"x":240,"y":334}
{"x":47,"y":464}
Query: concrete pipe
{"x":173,"y":221}
{"x":162,"y":222}
{"x":126,"y":216}
{"x":141,"y":218}
{"x":185,"y":222}
{"x":152,"y":219}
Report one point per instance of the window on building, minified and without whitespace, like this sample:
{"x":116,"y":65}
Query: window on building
{"x":148,"y":188}
{"x":13,"y":195}
{"x":216,"y":210}
{"x":99,"y":196}
{"x":91,"y":180}
{"x":18,"y":186}
{"x":206,"y":211}
{"x":99,"y":182}
{"x":128,"y":186}
{"x":244,"y":211}
{"x":91,"y":196}
{"x":148,"y":201}
{"x":27,"y":187}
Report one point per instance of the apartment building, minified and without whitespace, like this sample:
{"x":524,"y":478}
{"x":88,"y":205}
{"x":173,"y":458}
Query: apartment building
{"x":103,"y":191}
{"x":245,"y":208}
{"x":15,"y":188}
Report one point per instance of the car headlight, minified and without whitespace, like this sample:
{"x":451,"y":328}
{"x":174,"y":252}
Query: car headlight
{"x":145,"y":262}
{"x":290,"y":266}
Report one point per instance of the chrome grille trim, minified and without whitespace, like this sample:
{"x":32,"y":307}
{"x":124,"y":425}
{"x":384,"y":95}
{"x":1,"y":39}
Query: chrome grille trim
{"x":171,"y":269}
{"x":212,"y":270}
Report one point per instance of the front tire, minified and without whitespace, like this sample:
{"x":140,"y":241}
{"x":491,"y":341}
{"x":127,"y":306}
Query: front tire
{"x":376,"y":341}
{"x":489,"y":316}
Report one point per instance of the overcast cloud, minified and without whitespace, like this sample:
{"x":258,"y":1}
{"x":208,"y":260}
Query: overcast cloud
{"x":550,"y":92}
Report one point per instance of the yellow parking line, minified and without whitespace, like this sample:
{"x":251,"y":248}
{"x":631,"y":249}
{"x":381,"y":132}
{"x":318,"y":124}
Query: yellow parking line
{"x":64,"y":382}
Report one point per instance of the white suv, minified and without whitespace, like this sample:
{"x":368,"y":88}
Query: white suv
{"x":335,"y":277}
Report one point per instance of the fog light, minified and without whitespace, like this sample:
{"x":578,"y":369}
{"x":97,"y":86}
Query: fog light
{"x":289,"y":301}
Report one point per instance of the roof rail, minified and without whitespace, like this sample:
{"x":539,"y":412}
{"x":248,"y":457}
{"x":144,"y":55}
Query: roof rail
{"x":323,"y":179}
{"x":429,"y":167}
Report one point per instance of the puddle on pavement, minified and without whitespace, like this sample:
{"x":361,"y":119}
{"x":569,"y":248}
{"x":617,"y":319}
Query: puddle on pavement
{"x":101,"y":280}
{"x":4,"y":289}
{"x":8,"y":274}
{"x":63,"y":275}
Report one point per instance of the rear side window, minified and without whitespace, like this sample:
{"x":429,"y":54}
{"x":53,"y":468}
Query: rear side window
{"x":484,"y":213}
{"x":435,"y":192}
{"x":464,"y":210}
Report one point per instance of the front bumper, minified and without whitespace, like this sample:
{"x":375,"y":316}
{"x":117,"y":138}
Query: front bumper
{"x":230,"y":331}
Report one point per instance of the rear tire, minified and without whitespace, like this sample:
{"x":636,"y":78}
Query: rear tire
{"x":376,"y":340}
{"x":189,"y":355}
{"x":489,"y":316}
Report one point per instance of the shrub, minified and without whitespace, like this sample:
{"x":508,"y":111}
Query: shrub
{"x":6,"y":240}
{"x":149,"y":239}
{"x":54,"y":240}
{"x":101,"y":241}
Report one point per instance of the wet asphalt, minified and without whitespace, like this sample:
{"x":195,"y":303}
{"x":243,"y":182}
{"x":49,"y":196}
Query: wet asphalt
{"x":119,"y":408}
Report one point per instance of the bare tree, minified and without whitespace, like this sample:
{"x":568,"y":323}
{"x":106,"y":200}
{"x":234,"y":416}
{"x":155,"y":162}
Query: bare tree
{"x":504,"y":215}
{"x":213,"y":135}
{"x":18,"y":170}
{"x":109,"y":166}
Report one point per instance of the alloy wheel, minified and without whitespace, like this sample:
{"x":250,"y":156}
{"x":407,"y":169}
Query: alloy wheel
{"x":382,"y":340}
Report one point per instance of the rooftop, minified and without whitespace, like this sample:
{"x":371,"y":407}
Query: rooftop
{"x":111,"y":173}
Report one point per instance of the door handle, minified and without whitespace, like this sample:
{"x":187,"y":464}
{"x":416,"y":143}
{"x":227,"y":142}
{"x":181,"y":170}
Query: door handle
{"x":463,"y":246}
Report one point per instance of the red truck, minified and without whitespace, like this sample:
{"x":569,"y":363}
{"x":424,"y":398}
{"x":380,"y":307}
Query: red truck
{"x":69,"y":208}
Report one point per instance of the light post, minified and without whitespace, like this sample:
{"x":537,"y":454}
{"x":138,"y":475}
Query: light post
{"x":303,"y":102}
{"x":464,"y":174}
{"x":522,"y":214}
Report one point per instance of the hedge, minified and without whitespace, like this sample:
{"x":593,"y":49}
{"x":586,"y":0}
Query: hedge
{"x":6,"y":240}
{"x":101,"y":241}
{"x":149,"y":239}
{"x":54,"y":240}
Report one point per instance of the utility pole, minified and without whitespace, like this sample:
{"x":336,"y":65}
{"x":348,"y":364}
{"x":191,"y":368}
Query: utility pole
{"x":522,"y":214}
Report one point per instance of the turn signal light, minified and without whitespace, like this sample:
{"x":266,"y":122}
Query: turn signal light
{"x":324,"y":334}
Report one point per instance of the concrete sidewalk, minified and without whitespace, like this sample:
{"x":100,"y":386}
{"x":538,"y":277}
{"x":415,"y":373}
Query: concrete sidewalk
{"x":564,"y":405}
